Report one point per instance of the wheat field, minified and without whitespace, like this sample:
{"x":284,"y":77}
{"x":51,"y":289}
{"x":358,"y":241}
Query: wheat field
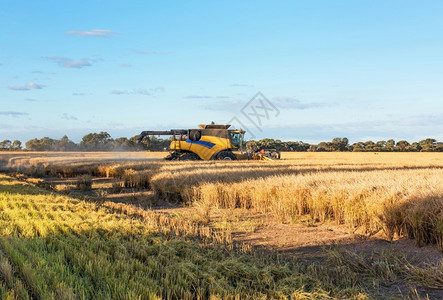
{"x":66,"y":245}
{"x":58,"y":247}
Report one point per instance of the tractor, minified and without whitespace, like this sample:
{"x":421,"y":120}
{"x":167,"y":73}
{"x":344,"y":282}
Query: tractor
{"x":210,"y":142}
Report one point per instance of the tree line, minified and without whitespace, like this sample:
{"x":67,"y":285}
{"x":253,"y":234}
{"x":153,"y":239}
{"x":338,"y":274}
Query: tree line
{"x":103,"y":142}
{"x":90,"y":142}
{"x":342,"y":144}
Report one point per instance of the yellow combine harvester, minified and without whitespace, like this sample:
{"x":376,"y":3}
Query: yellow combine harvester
{"x":209,"y":142}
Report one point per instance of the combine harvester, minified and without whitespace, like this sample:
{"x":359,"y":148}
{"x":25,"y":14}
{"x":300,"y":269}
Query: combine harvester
{"x":210,"y":142}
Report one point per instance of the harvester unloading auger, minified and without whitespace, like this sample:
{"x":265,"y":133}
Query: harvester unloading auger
{"x":210,"y":142}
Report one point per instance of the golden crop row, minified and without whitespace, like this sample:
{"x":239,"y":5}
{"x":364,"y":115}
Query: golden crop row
{"x":402,"y":201}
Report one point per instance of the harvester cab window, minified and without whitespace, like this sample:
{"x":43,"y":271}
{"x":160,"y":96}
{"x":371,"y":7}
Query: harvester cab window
{"x":237,"y":139}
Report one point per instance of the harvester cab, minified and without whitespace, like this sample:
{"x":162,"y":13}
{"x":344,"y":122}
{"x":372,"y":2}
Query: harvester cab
{"x":208,"y":142}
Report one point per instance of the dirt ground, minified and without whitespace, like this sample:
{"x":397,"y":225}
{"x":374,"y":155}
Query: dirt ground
{"x":307,"y":240}
{"x":311,"y":241}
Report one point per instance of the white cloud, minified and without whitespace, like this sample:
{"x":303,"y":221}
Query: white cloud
{"x":158,"y":89}
{"x":69,"y":117}
{"x":119,"y":92}
{"x":197,"y":97}
{"x":293,"y":103}
{"x":152,"y":52}
{"x":139,"y":91}
{"x":77,"y":64}
{"x":66,"y":62}
{"x":126,"y":65}
{"x":222,"y":105}
{"x":93,"y":33}
{"x":142,"y":91}
{"x":240,"y":85}
{"x":205,"y":97}
{"x":14,"y":114}
{"x":27,"y":87}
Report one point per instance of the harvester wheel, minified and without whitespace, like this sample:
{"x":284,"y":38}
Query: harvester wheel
{"x":195,"y":135}
{"x":173,"y":156}
{"x":189,"y":156}
{"x":226,"y":155}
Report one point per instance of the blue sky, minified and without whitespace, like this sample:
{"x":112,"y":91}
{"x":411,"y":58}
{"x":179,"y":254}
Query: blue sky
{"x":366,"y":70}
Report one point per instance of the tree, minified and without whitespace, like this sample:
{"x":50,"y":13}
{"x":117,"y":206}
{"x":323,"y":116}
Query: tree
{"x":44,"y":144}
{"x":123,"y":144}
{"x":156,"y":144}
{"x":97,"y":141}
{"x":415,"y":147}
{"x":65,"y":144}
{"x":380,"y":146}
{"x":5,"y":145}
{"x":16,"y":146}
{"x":312,"y":148}
{"x":358,"y":147}
{"x":390,"y":145}
{"x":251,"y":146}
{"x":323,"y":146}
{"x":32,"y":145}
{"x":339,"y":144}
{"x":103,"y":142}
{"x":428,"y":144}
{"x":48,"y":144}
{"x":402,"y":146}
{"x":266,"y":143}
{"x":369,"y":146}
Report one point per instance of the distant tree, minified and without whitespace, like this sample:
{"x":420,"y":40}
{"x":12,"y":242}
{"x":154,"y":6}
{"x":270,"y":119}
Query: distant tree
{"x":402,"y":146}
{"x":65,"y":144}
{"x":299,"y":146}
{"x":48,"y":144}
{"x":155,"y":144}
{"x":44,"y":144}
{"x":251,"y":146}
{"x":323,"y":146}
{"x":97,"y":141}
{"x":266,"y":143}
{"x":103,"y":142}
{"x":369,"y":146}
{"x":339,"y":144}
{"x":358,"y":147}
{"x":312,"y":148}
{"x":415,"y":147}
{"x":16,"y":146}
{"x":4,"y":145}
{"x":123,"y":144}
{"x":390,"y":145}
{"x":137,"y":146}
{"x":428,"y":144}
{"x":32,"y":145}
{"x":380,"y":146}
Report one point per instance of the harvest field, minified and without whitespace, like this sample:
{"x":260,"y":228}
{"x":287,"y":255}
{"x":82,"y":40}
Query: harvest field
{"x":131,"y":226}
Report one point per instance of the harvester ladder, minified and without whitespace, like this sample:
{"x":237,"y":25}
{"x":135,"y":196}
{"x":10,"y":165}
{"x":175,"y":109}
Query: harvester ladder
{"x":177,"y":142}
